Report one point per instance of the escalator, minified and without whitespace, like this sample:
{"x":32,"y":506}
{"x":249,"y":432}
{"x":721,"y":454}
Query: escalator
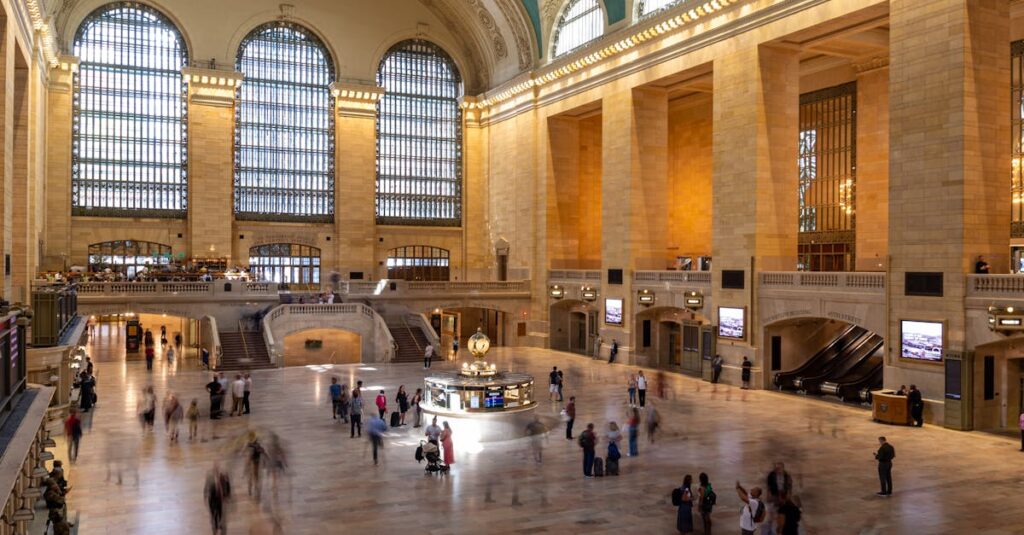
{"x":821,"y":361}
{"x":856,"y":384}
{"x":851,"y":358}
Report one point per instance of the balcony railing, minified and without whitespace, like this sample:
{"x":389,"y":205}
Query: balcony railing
{"x":117,"y":289}
{"x":568,"y":275}
{"x":1007,"y":286}
{"x":693,"y":278}
{"x":860,"y":282}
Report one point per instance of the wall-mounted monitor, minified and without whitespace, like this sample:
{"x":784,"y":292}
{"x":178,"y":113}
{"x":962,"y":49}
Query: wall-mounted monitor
{"x":921,"y":340}
{"x":732,"y":322}
{"x":613,"y":311}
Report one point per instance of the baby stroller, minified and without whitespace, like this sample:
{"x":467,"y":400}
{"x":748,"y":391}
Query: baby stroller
{"x":429,"y":451}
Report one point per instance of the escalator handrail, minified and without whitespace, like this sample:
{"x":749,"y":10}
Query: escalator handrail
{"x":814,"y":360}
{"x":851,"y":377}
{"x":852,"y":352}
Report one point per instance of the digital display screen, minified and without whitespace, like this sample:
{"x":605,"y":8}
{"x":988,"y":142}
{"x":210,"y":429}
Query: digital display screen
{"x":921,"y":340}
{"x":613,"y":311}
{"x":494,"y":400}
{"x":732,"y":323}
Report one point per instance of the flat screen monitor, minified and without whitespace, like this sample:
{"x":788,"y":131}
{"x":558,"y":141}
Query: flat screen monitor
{"x":921,"y":340}
{"x":732,"y":323}
{"x":613,"y":311}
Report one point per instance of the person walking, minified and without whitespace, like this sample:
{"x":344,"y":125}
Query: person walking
{"x":455,"y":348}
{"x":684,"y":504}
{"x":417,"y":411}
{"x":884,"y":456}
{"x":745,"y":373}
{"x":355,"y":413}
{"x":631,"y":388}
{"x":170,"y":355}
{"x":147,"y":409}
{"x":588,"y":441}
{"x":570,"y":415}
{"x":916,"y":406}
{"x":614,"y":351}
{"x":335,"y":393}
{"x":561,"y":383}
{"x":73,"y":430}
{"x":778,"y":481}
{"x":382,"y":404}
{"x":753,"y":511}
{"x":150,"y":355}
{"x":447,"y":444}
{"x":237,"y":394}
{"x":173,"y":413}
{"x":193,"y":419}
{"x":343,"y":404}
{"x":787,"y":521}
{"x":707,"y":499}
{"x":217,"y":493}
{"x":214,"y":388}
{"x":633,"y":431}
{"x":653,"y":419}
{"x":86,"y":391}
{"x":376,"y":429}
{"x":553,"y":383}
{"x":716,"y":368}
{"x":641,"y":387}
{"x":428,"y":355}
{"x":247,"y":393}
{"x":403,"y":404}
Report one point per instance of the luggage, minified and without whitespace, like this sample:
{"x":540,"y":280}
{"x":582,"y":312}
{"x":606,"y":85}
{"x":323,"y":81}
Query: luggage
{"x":394,"y":419}
{"x":612,"y":467}
{"x":598,"y":467}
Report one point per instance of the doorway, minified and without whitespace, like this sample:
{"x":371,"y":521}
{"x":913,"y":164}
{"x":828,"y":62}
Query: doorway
{"x":672,"y":352}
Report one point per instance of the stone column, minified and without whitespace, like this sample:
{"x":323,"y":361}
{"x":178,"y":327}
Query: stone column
{"x":355,"y":177}
{"x":211,"y":177}
{"x":756,"y":113}
{"x":477,"y":253}
{"x":57,"y":225}
{"x":634,"y":203}
{"x":872,"y":202}
{"x":22,"y":237}
{"x":949,"y":159}
{"x":8,"y":47}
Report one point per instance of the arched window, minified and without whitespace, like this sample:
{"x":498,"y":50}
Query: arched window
{"x":647,"y":7}
{"x":581,"y":22}
{"x":418,"y":263}
{"x":285,"y":262}
{"x":284,"y":136}
{"x":130,"y":257}
{"x":128,"y":132}
{"x":419,"y":137}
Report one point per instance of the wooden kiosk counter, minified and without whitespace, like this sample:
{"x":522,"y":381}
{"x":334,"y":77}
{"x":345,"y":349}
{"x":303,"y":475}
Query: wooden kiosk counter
{"x":887,"y":407}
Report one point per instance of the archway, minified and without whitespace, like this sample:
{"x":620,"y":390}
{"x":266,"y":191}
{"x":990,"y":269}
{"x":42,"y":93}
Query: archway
{"x":669,"y":338}
{"x":322,"y":346}
{"x":459,"y":323}
{"x":573,"y":326}
{"x":998,"y":389}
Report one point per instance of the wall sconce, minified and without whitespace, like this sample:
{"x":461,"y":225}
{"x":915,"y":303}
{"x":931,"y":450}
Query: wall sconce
{"x":645,"y":297}
{"x":693,"y":300}
{"x":556,"y":292}
{"x":588,"y":293}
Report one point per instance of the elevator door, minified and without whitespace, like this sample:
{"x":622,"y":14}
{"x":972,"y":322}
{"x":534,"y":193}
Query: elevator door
{"x":673,"y":342}
{"x":578,"y":332}
{"x":691,"y":348}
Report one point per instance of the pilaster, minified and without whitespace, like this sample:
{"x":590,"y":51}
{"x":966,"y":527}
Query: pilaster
{"x":7,"y":53}
{"x":478,"y":253}
{"x":22,"y":239}
{"x":872,"y":204}
{"x":59,"y":105}
{"x":211,"y":108}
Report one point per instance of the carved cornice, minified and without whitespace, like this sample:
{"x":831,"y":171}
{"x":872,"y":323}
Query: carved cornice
{"x":871,"y":64}
{"x":520,"y":32}
{"x":472,"y":113}
{"x":356,"y":100}
{"x":549,"y":11}
{"x":211,"y":87}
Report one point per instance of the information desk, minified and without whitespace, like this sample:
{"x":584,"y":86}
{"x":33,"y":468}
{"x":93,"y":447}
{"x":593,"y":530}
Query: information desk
{"x":889,"y":408}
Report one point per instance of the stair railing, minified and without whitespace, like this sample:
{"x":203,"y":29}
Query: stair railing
{"x":405,"y":324}
{"x":245,"y":346}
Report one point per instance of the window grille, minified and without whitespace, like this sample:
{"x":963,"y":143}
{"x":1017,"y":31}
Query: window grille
{"x":290,"y":263}
{"x":418,"y":263}
{"x":419,"y":137}
{"x":129,"y":117}
{"x":649,"y":7}
{"x":827,"y":167}
{"x":284,"y":136}
{"x":1017,"y":139}
{"x":129,"y":257}
{"x":581,"y":22}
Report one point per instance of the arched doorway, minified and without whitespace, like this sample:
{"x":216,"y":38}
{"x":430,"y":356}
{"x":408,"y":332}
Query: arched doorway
{"x":670,"y":338}
{"x":419,"y":263}
{"x":999,"y":385}
{"x":573,"y":326}
{"x":322,"y":346}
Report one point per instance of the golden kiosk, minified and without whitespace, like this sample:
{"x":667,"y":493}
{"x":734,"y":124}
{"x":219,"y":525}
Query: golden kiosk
{"x":890,"y":408}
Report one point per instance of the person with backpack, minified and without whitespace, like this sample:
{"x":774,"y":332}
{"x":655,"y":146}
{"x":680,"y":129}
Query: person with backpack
{"x":588,"y":441}
{"x":753,"y":512}
{"x":382,"y":404}
{"x":682,"y":498}
{"x":787,"y":522}
{"x":707,"y":500}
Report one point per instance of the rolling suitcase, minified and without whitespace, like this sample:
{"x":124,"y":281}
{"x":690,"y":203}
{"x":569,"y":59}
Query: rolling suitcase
{"x":612,"y":467}
{"x":394,"y":419}
{"x":598,"y":467}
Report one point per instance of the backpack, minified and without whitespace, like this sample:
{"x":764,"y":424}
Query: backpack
{"x":758,"y":515}
{"x":677,"y":497}
{"x":710,"y":498}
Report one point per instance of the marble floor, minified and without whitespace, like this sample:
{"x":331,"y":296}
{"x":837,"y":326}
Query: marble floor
{"x":945,"y":481}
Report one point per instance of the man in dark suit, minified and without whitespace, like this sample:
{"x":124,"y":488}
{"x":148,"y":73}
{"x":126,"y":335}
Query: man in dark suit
{"x":885,"y":455}
{"x":916,"y":405}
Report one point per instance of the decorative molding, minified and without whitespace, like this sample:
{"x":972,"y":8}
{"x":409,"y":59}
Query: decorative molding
{"x":62,"y":76}
{"x":550,"y":11}
{"x":871,"y":64}
{"x":473,"y":113}
{"x":491,"y":26}
{"x":211,"y":87}
{"x":443,"y":10}
{"x":520,"y":32}
{"x":356,"y":100}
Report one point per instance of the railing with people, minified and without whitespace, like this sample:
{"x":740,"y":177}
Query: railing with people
{"x":248,"y":289}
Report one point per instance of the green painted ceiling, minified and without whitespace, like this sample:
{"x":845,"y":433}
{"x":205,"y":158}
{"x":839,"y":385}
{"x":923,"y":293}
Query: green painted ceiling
{"x":616,"y":11}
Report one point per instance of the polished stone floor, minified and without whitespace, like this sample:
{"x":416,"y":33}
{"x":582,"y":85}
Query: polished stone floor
{"x":945,"y":481}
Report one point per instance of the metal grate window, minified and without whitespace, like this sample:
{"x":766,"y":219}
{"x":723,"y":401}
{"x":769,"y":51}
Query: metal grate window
{"x":582,"y":21}
{"x":827,"y":168}
{"x":285,"y":263}
{"x":129,"y":123}
{"x":284,"y":137}
{"x":649,"y":7}
{"x":129,"y":257}
{"x":419,"y":137}
{"x":1017,"y":139}
{"x":418,"y":263}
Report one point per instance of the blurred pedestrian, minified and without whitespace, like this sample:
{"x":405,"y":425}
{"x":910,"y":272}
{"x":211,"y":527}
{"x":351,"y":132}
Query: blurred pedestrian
{"x":335,"y":397}
{"x":641,"y":387}
{"x":173,"y":413}
{"x":716,"y":368}
{"x":535,"y":430}
{"x":633,"y":431}
{"x":73,"y":430}
{"x":570,"y":417}
{"x":150,"y":355}
{"x":147,"y":409}
{"x":237,"y":395}
{"x":631,"y":388}
{"x":356,"y":413}
{"x":382,"y":404}
{"x":376,"y":430}
{"x":745,"y":373}
{"x":255,"y":455}
{"x":653,"y":421}
{"x":707,"y":501}
{"x":247,"y":393}
{"x":217,"y":493}
{"x":417,"y":398}
{"x":216,"y":395}
{"x":403,"y":404}
{"x":193,"y":419}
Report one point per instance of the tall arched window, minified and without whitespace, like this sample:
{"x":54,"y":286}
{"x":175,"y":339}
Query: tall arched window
{"x":581,"y":22}
{"x":284,"y":136}
{"x":647,"y":7}
{"x":419,"y":137}
{"x":128,"y":132}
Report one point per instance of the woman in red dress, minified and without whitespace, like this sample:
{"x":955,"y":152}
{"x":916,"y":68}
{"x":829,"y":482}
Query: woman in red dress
{"x":449,"y":447}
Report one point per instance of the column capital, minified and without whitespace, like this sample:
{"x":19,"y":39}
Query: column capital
{"x":356,"y":99}
{"x":211,"y":87}
{"x":473,"y":110}
{"x":62,"y":75}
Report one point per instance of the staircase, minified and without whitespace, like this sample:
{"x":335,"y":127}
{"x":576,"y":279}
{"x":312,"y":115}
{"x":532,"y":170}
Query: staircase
{"x":410,"y":340}
{"x":234,"y":346}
